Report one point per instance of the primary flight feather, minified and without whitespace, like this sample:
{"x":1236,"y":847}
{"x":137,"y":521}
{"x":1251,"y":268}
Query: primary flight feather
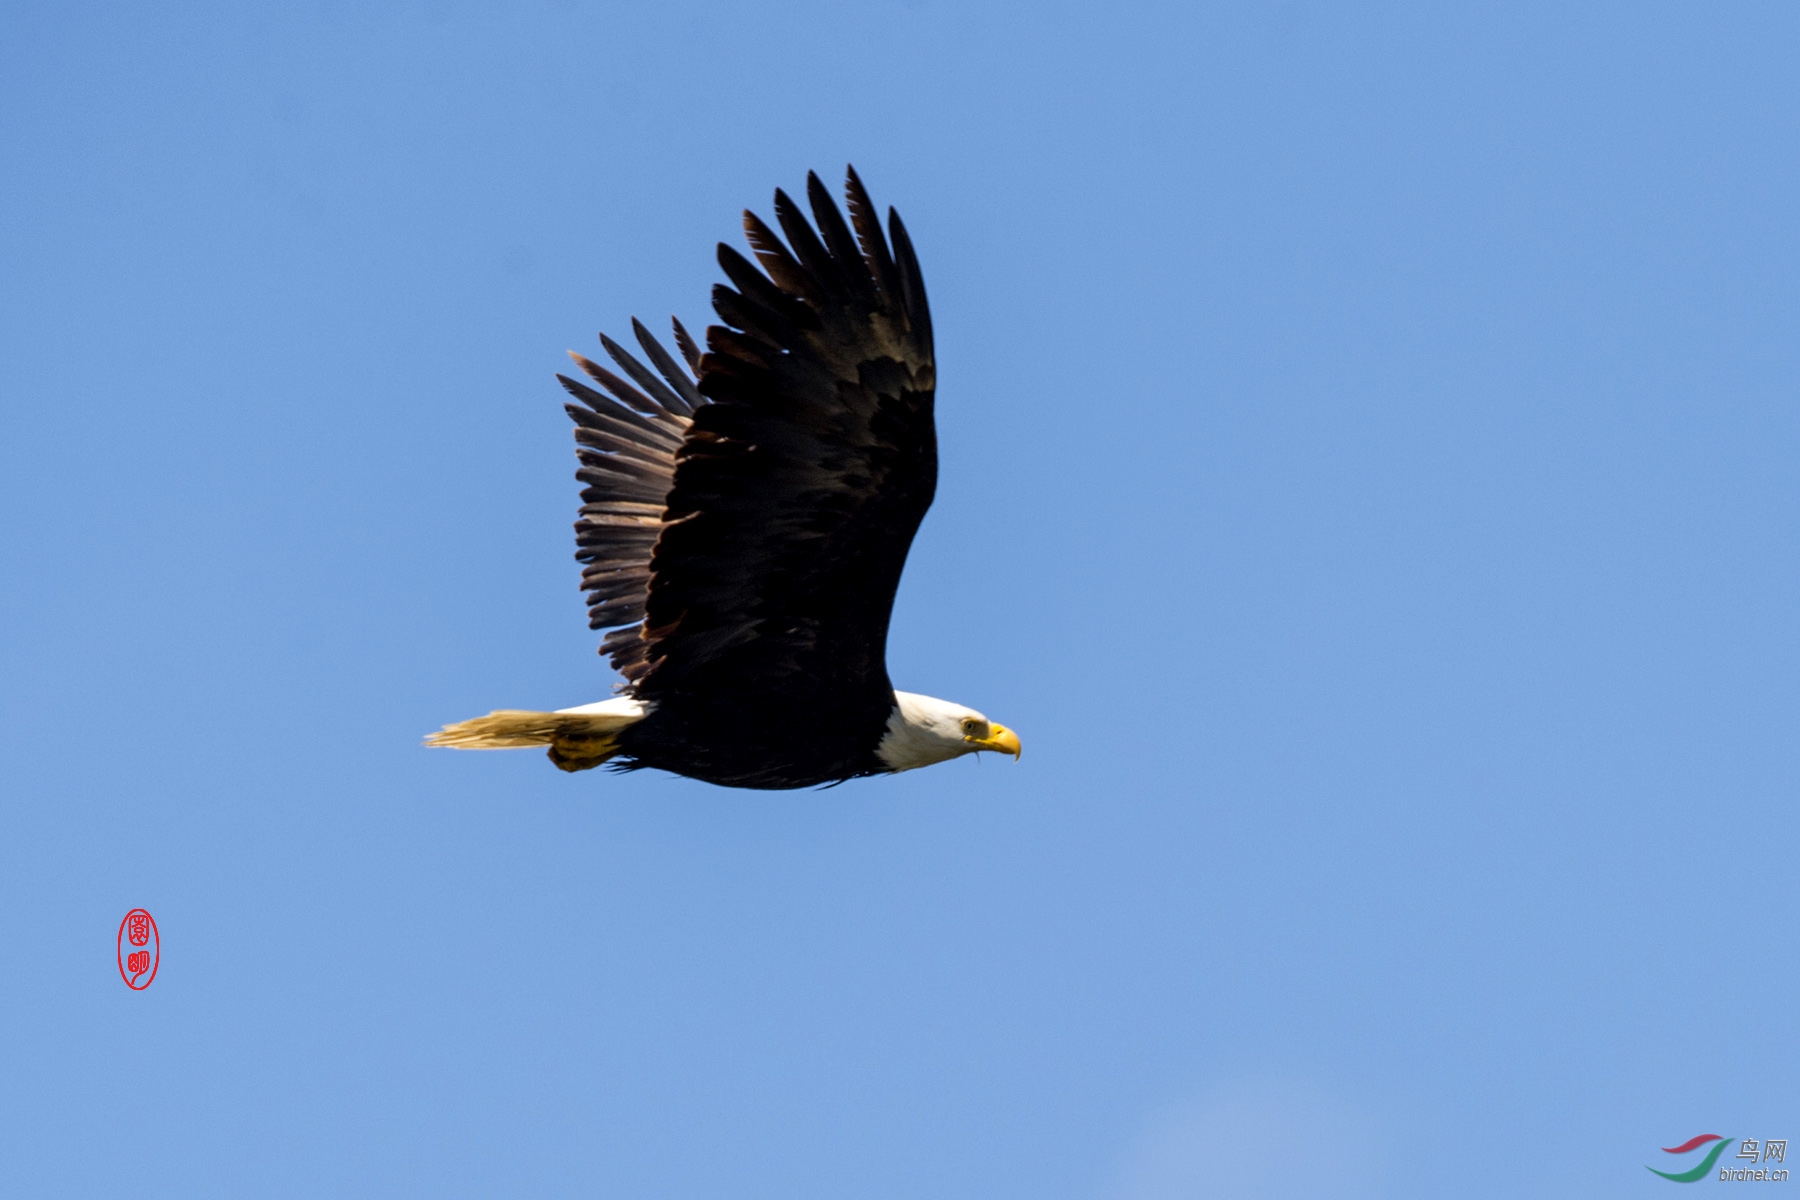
{"x":746,"y":516}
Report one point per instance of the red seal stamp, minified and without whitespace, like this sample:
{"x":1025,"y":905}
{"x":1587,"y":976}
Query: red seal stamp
{"x":140,"y":949}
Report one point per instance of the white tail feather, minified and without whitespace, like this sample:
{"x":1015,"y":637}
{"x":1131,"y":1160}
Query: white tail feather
{"x":578,"y":738}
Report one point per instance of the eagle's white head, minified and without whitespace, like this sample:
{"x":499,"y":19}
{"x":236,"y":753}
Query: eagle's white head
{"x":924,"y":730}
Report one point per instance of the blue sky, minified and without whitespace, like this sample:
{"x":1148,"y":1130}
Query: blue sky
{"x":1370,"y":488}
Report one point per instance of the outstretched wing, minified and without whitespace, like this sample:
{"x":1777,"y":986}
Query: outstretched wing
{"x":626,"y":443}
{"x":798,"y":490}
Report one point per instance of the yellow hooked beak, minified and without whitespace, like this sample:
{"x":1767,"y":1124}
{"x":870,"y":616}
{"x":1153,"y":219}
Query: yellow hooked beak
{"x":999,"y":738}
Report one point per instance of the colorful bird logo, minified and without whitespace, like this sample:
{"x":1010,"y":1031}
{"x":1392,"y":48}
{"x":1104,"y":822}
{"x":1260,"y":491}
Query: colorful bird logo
{"x":1706,"y":1164}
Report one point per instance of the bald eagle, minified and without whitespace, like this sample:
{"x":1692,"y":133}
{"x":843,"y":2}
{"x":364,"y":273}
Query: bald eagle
{"x":746,"y":517}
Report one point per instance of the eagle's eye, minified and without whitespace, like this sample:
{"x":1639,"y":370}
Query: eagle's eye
{"x":974,"y":727}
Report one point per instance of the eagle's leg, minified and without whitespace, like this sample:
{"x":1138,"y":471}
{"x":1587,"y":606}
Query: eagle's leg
{"x":578,"y":738}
